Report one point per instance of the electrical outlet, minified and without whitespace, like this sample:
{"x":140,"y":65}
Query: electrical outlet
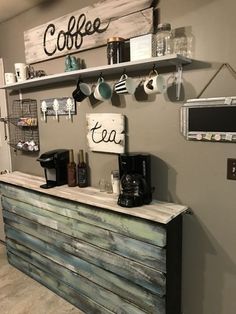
{"x":231,"y":169}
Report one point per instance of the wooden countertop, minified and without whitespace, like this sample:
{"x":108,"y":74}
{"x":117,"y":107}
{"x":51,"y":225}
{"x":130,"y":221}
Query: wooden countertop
{"x":156,"y":211}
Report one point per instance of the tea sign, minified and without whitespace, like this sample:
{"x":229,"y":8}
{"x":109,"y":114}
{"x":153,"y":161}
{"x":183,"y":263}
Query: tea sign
{"x":106,"y":132}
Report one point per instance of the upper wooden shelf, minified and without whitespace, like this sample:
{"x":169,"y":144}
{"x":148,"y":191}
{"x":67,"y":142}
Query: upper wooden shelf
{"x":131,"y":66}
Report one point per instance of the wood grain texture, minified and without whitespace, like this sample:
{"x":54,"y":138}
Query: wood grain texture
{"x":135,"y":261}
{"x":140,"y":274}
{"x":85,"y":304}
{"x":139,"y":251}
{"x":120,"y":286}
{"x":81,"y":284}
{"x":106,"y":132}
{"x":157,"y":211}
{"x":136,"y":228}
{"x":118,"y":18}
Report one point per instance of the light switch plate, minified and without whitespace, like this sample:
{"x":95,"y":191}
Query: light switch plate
{"x":231,"y":169}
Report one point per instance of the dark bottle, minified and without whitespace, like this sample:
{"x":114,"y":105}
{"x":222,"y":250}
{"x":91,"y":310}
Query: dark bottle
{"x":82,"y":171}
{"x":71,"y":169}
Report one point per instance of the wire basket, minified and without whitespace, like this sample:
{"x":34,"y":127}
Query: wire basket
{"x":23,"y":126}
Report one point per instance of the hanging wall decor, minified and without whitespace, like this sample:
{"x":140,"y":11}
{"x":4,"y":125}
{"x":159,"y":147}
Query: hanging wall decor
{"x":106,"y":132}
{"x":88,"y":28}
{"x":58,"y":107}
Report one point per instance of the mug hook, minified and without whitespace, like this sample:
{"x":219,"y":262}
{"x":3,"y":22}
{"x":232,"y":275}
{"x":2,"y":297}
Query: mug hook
{"x":79,"y":80}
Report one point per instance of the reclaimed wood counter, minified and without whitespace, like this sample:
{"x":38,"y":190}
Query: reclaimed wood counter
{"x":97,"y":255}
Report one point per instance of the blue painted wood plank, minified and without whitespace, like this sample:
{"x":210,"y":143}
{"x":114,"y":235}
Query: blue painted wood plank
{"x":84,"y":286}
{"x":147,"y":254}
{"x":118,"y":285}
{"x":137,"y":228}
{"x":140,"y":274}
{"x":65,"y":291}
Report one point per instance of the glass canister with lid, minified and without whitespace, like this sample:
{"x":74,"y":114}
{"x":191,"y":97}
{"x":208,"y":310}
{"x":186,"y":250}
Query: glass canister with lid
{"x":164,"y":40}
{"x":115,"y":50}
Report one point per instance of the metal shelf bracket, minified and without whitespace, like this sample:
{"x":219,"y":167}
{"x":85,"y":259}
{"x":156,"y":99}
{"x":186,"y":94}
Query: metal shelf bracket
{"x":179,"y":74}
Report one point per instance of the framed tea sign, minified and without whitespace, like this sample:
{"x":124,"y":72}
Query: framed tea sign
{"x":106,"y":132}
{"x":88,"y":28}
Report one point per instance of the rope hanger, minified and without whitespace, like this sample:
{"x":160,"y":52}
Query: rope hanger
{"x":228,"y":66}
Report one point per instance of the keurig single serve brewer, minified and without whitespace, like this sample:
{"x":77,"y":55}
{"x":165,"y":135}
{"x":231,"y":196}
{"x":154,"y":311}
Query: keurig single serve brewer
{"x":135,"y":178}
{"x":54,"y":163}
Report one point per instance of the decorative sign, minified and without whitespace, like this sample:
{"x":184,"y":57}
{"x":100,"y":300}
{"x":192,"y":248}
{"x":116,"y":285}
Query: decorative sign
{"x":88,"y":28}
{"x":106,"y":132}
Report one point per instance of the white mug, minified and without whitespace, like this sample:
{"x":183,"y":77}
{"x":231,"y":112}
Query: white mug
{"x":10,"y":78}
{"x":126,"y":85}
{"x":155,"y":84}
{"x":21,"y":70}
{"x":103,"y":90}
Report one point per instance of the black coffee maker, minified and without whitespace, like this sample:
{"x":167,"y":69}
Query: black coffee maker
{"x":54,"y":163}
{"x":135,"y":178}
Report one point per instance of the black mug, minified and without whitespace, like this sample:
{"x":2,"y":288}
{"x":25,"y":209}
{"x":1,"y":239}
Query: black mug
{"x":82,"y":91}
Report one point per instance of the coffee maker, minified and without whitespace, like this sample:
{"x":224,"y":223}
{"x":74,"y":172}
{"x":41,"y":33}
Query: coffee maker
{"x":54,"y":163}
{"x":135,"y":178}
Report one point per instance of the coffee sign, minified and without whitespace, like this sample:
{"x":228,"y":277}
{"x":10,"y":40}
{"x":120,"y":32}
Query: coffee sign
{"x":88,"y":28}
{"x":106,"y":132}
{"x":73,"y":37}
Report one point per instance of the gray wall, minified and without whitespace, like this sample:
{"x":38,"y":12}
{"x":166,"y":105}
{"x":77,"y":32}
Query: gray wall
{"x":190,"y":173}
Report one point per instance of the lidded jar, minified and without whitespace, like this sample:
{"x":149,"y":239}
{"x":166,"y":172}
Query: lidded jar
{"x":115,"y":50}
{"x":164,"y":40}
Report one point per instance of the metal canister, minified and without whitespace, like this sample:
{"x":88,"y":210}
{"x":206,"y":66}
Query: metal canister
{"x":115,"y":50}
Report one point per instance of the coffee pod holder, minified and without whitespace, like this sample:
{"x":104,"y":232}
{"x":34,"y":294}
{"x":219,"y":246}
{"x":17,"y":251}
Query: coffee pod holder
{"x":23,"y":126}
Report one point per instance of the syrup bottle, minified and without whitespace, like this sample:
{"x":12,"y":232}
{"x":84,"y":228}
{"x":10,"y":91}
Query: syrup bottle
{"x":82,"y":171}
{"x":71,"y":170}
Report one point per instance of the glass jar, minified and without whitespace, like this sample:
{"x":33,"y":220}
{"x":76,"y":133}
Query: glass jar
{"x":115,"y":50}
{"x":164,"y":40}
{"x":183,"y":42}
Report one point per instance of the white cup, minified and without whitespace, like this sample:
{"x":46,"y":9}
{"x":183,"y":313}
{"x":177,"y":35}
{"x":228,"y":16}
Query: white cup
{"x":155,"y":84}
{"x":103,"y":90}
{"x":126,"y":85}
{"x":10,"y":78}
{"x":21,"y":70}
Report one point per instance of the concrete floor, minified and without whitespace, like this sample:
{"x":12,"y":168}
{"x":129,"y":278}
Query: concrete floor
{"x":19,"y":294}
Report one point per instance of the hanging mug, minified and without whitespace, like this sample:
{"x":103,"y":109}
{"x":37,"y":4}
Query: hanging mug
{"x":126,"y":85}
{"x":155,"y":84}
{"x":102,"y":90}
{"x":82,"y":91}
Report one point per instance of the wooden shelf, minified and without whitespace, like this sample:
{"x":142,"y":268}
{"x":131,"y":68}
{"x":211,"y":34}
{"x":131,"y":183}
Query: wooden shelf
{"x":156,"y":211}
{"x":132,"y":66}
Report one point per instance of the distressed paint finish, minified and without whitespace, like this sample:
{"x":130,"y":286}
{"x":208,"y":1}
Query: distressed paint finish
{"x":122,"y":18}
{"x":85,"y":304}
{"x":99,"y":257}
{"x":118,"y":285}
{"x":135,"y":228}
{"x":141,"y":252}
{"x":85,"y":287}
{"x":106,"y":132}
{"x":160,"y":212}
{"x":142,"y":275}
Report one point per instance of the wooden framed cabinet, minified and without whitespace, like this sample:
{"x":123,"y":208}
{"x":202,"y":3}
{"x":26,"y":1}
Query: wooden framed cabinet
{"x":97,"y":255}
